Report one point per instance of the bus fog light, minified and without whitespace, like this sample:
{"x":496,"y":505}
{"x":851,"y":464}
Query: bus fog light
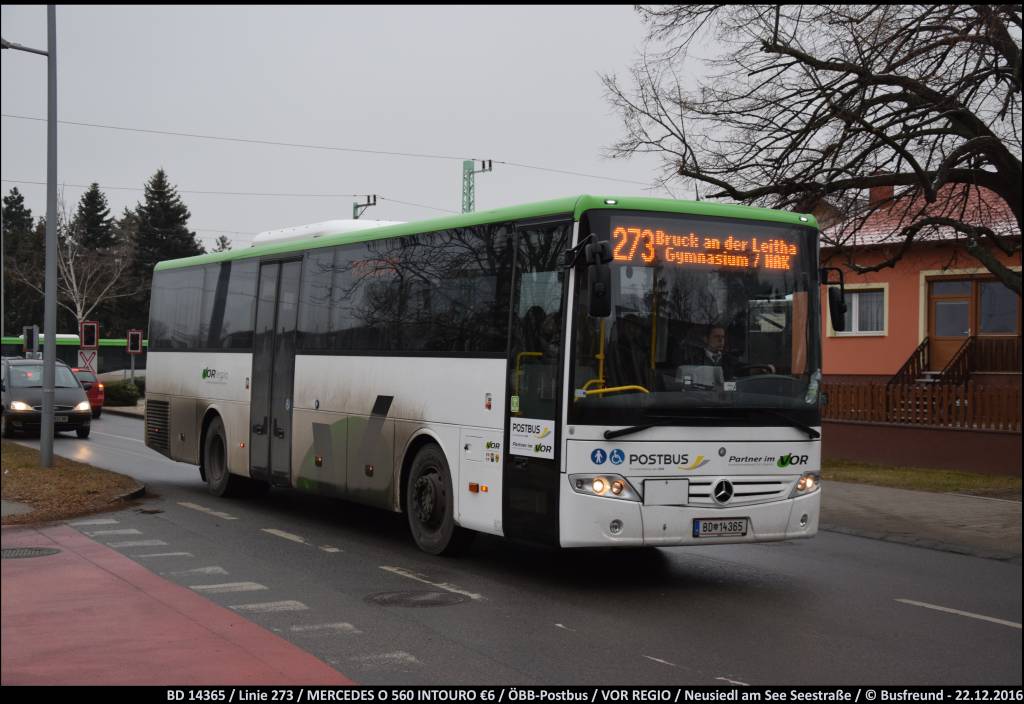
{"x":615,"y":527}
{"x":803,"y":521}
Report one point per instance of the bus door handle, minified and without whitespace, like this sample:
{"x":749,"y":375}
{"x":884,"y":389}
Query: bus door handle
{"x":260,"y":428}
{"x":278,"y":431}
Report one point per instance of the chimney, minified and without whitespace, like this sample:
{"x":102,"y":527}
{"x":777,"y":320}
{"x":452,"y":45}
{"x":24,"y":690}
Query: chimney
{"x":880,"y":196}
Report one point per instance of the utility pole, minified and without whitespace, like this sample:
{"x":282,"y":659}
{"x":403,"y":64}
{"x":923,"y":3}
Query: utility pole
{"x":469,"y":181}
{"x":358,"y":208}
{"x":50,"y":289}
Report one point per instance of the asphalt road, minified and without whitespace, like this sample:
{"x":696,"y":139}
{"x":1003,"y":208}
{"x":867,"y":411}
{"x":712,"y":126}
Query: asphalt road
{"x":347,"y":584}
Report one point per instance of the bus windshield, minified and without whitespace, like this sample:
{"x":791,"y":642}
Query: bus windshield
{"x":707,"y":313}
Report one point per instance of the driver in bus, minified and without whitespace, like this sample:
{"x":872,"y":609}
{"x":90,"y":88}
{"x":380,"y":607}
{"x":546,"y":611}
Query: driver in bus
{"x":711,"y":352}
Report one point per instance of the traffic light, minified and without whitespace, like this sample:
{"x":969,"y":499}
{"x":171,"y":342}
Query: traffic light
{"x":90,"y":335}
{"x":134,"y":342}
{"x":31,"y":335}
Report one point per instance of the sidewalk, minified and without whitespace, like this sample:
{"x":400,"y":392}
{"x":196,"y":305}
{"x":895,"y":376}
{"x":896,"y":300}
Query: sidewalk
{"x":89,"y":615}
{"x":970,"y":525}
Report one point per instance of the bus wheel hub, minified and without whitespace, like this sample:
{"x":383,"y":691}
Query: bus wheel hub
{"x":427,"y":491}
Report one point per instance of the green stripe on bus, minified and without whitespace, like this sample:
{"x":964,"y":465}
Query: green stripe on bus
{"x":574,"y":206}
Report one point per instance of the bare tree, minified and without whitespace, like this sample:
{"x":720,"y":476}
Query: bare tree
{"x":87,"y":276}
{"x":813,"y":102}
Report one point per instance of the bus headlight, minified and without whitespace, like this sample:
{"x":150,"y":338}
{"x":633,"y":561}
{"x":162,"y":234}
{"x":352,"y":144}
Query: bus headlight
{"x":610,"y":486}
{"x":808,"y":483}
{"x":20,"y":406}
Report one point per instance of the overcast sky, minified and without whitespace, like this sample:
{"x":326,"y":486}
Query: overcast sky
{"x":508,"y":83}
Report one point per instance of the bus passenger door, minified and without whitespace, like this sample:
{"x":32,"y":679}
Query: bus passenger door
{"x":531,"y":476}
{"x":273,"y":373}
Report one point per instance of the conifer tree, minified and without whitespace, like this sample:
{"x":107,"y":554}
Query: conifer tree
{"x":92,"y":224}
{"x":22,"y":306}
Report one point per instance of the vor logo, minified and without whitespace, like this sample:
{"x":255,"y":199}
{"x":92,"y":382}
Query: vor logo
{"x":791,"y":460}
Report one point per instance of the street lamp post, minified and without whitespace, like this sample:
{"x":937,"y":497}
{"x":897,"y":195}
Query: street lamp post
{"x":50,"y":307}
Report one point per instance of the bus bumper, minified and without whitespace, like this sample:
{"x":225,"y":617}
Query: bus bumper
{"x":591,"y":521}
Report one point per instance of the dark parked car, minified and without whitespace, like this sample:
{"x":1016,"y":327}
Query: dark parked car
{"x":22,"y":394}
{"x":93,"y":389}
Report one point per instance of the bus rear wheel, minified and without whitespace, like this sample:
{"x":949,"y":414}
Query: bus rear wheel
{"x":430,"y":505}
{"x":219,"y":481}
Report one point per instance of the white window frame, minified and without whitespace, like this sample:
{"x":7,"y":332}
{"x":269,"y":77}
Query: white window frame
{"x":855,"y":288}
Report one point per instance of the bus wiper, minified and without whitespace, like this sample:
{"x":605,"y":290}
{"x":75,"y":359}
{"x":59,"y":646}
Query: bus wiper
{"x":811,"y":432}
{"x":609,"y":434}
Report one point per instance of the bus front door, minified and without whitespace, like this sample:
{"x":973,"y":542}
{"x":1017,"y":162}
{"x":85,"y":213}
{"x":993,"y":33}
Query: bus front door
{"x":530,"y":480}
{"x":273,"y":372}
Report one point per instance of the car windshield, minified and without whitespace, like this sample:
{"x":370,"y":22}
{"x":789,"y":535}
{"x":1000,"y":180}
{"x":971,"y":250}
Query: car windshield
{"x":28,"y":376}
{"x":707,"y":314}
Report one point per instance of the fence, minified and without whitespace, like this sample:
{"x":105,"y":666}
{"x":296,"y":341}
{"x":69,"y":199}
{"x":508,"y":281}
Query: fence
{"x":969,"y":406}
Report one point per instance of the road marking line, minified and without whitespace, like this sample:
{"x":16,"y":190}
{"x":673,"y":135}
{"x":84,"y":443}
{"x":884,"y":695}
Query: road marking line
{"x":565,"y":628}
{"x":399,"y":657}
{"x":440,"y":585}
{"x":726,"y":679}
{"x":95,"y":522}
{"x":218,"y":514}
{"x":122,"y":531}
{"x":228,"y":587}
{"x":1000,"y":621}
{"x":137,"y":544}
{"x":287,"y":536}
{"x":200,"y":570}
{"x":270,"y":606}
{"x":165,"y":554}
{"x":338,"y":627}
{"x":663,"y":662}
{"x":121,"y":437}
{"x":328,"y":548}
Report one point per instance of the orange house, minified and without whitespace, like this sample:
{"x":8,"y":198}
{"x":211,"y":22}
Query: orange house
{"x":930,"y":304}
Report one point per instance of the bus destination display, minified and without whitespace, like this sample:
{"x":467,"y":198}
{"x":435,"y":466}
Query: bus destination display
{"x":646,"y":245}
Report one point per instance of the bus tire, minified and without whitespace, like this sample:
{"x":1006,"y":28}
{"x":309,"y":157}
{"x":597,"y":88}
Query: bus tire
{"x":430,"y":505}
{"x":219,"y":481}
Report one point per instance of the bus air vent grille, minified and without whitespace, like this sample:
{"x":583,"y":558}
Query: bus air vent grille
{"x":158,"y":426}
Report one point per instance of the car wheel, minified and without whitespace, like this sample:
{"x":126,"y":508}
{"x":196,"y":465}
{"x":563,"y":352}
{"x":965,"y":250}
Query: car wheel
{"x":219,"y":481}
{"x":430,"y":505}
{"x":97,"y":413}
{"x":83,"y":431}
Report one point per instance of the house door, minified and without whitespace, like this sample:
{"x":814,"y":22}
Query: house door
{"x":949,"y":320}
{"x":979,"y":307}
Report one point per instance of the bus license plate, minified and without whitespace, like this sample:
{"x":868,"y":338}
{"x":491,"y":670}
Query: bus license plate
{"x":60,"y":419}
{"x":719,"y":527}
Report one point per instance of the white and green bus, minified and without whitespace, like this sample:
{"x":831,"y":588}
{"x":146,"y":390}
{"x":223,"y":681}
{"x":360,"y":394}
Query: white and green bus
{"x":588,"y":371}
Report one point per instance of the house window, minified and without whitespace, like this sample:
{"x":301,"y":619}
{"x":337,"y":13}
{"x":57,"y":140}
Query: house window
{"x":865,"y":311}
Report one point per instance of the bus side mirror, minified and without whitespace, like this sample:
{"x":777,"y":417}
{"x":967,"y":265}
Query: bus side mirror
{"x":837,"y":308}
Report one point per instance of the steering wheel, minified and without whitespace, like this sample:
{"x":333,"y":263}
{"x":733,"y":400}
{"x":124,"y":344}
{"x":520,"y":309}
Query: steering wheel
{"x":762,"y":368}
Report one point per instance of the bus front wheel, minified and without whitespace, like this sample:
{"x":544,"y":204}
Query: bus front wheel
{"x":430,"y":505}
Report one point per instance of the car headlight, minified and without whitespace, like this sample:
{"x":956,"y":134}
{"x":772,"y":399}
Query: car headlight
{"x":808,"y":483}
{"x":609,"y":486}
{"x":20,"y":406}
{"x":83,"y":406}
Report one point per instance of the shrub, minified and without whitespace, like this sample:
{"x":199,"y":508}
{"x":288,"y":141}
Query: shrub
{"x":121,"y":393}
{"x":140,"y":381}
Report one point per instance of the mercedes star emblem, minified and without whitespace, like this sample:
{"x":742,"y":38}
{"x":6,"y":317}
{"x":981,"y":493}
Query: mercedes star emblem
{"x":723,"y":491}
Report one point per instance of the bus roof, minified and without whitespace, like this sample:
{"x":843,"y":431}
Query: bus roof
{"x":574,"y":205}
